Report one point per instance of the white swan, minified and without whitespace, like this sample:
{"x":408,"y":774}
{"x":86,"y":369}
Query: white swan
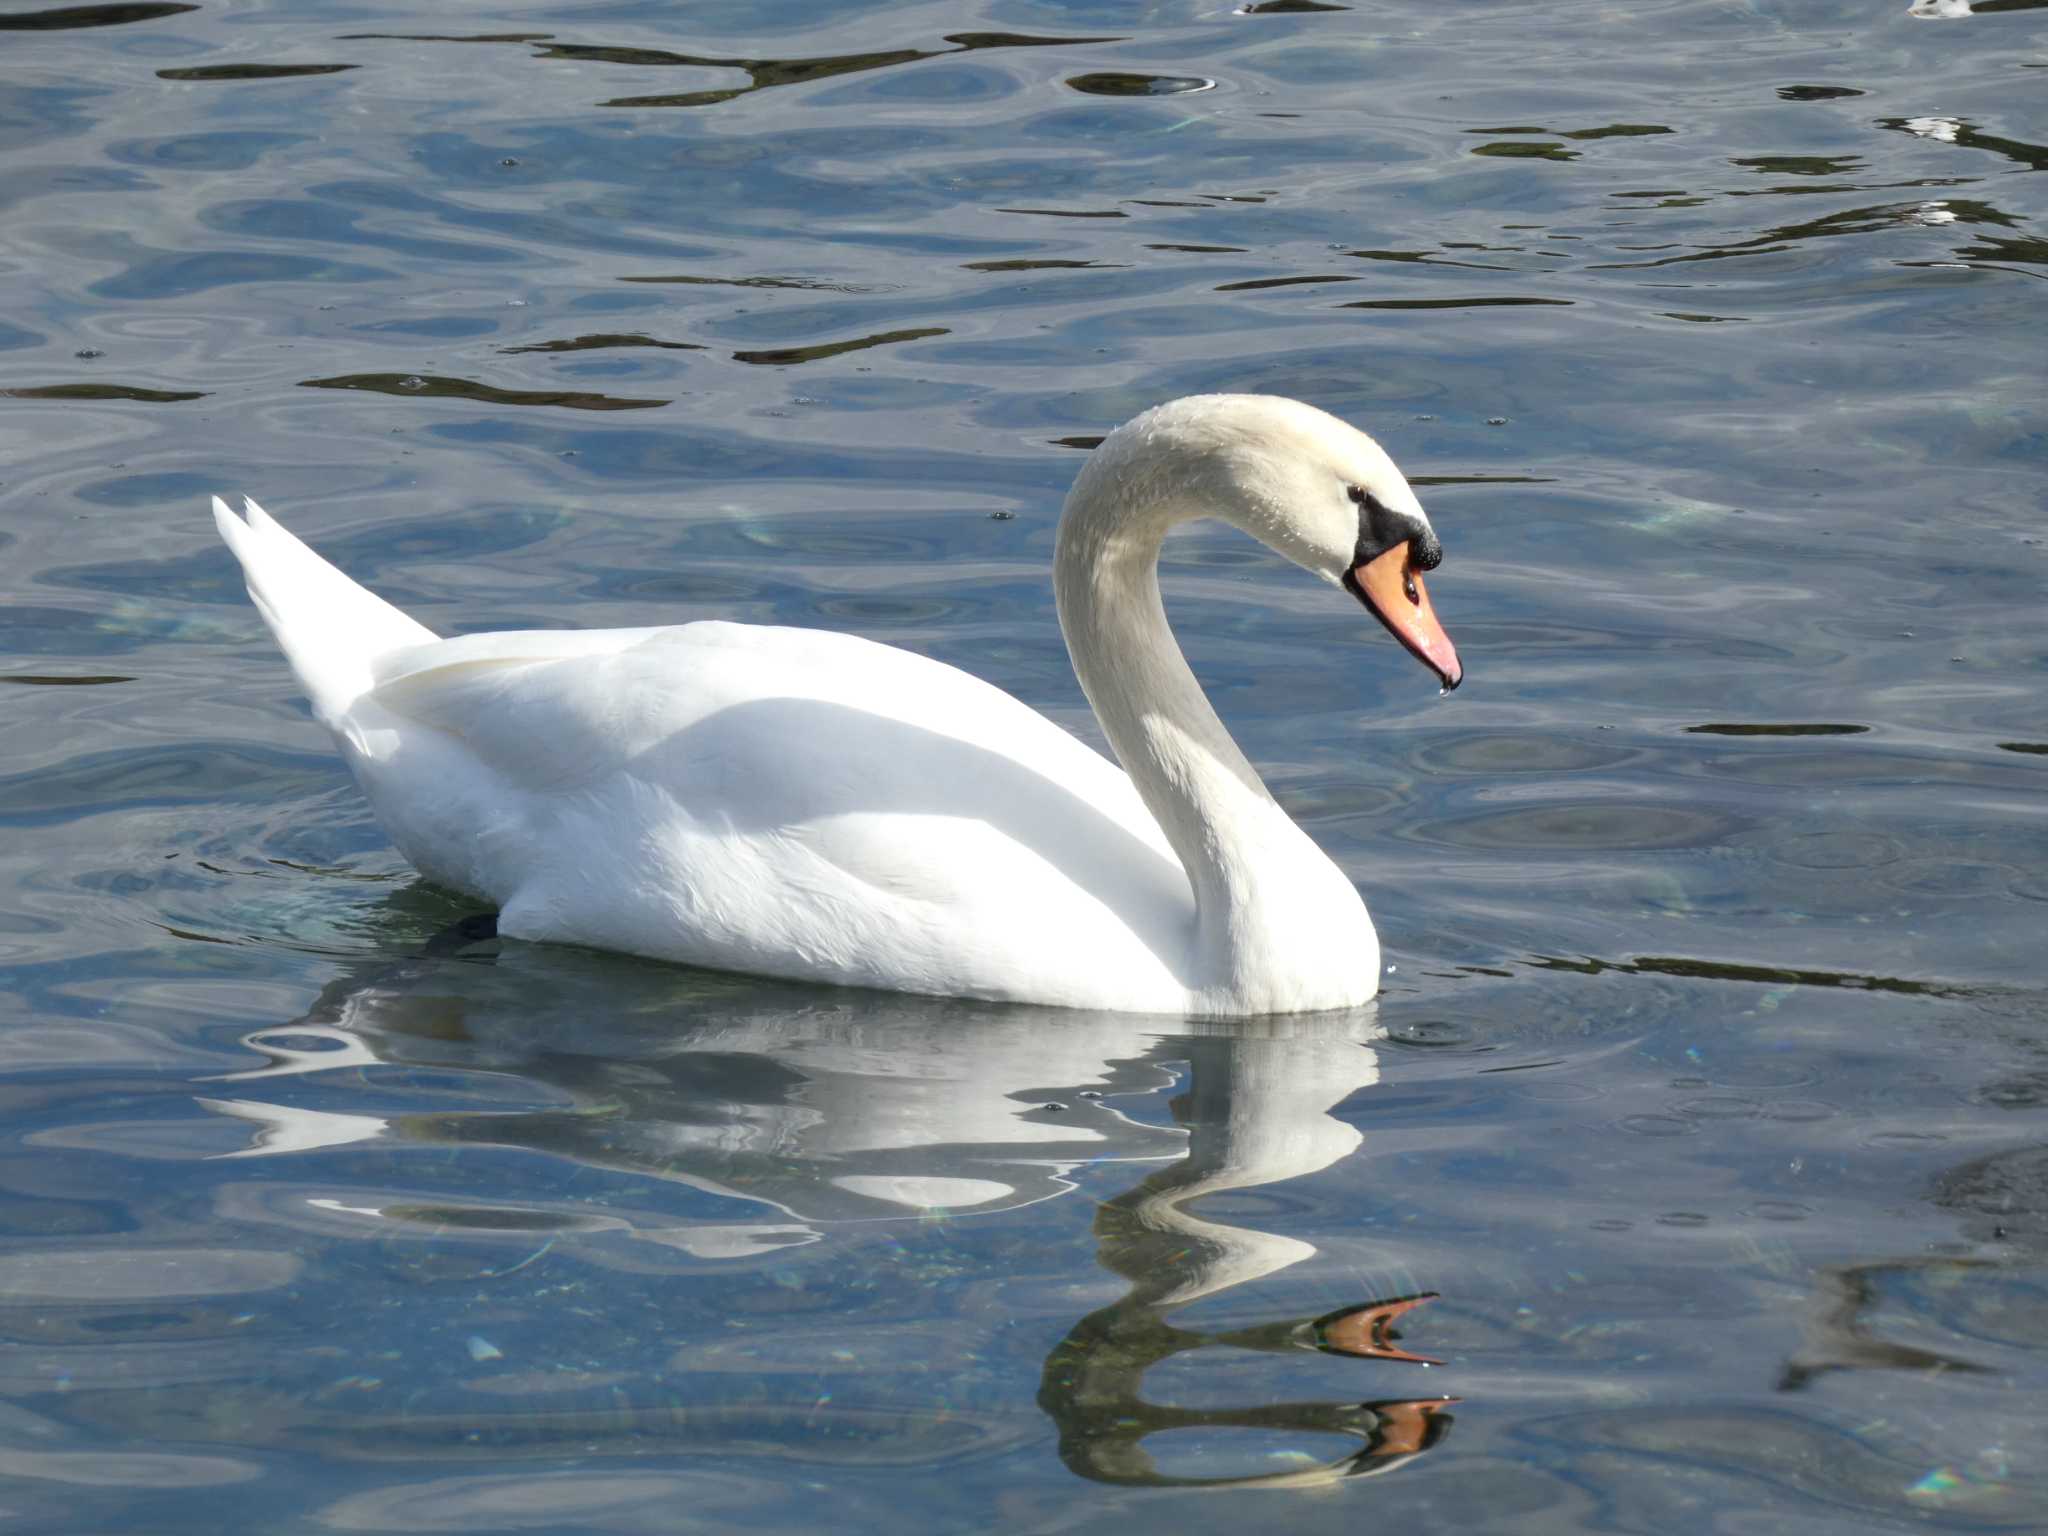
{"x":797,"y":803}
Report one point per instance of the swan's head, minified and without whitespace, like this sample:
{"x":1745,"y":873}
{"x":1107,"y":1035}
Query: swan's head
{"x":1304,"y":483}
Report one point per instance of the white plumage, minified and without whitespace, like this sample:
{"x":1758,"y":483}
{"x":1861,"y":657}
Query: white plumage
{"x":813,"y":805}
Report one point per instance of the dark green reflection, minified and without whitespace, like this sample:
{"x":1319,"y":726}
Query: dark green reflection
{"x":787,"y":355}
{"x":1741,"y":728}
{"x":1836,"y":1338}
{"x":69,"y":17}
{"x":251,"y":71}
{"x":434,"y":37}
{"x":102,"y":392}
{"x":1035,"y":266}
{"x":1774,"y":975}
{"x":1481,"y":303}
{"x":41,"y":680}
{"x":1286,"y":282}
{"x":428,"y":386}
{"x":602,"y":341}
{"x":1114,"y":84}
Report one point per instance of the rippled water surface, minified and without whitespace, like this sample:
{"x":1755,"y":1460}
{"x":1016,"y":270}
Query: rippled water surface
{"x":1692,"y":1171}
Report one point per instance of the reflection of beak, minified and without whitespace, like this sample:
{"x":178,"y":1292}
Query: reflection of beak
{"x":1405,"y":1427}
{"x":1390,"y":585}
{"x":1368,"y":1331}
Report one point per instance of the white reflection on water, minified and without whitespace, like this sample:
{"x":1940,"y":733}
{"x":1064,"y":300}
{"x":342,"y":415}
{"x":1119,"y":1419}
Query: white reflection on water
{"x":141,"y":1274}
{"x":905,"y":1106}
{"x":836,"y":1108}
{"x":283,"y":1129}
{"x":1944,"y":129}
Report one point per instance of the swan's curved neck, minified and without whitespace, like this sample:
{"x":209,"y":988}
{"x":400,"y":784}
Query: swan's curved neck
{"x":1262,"y":888}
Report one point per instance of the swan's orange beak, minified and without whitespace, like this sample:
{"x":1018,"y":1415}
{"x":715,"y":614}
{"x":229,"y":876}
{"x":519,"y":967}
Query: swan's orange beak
{"x":1391,"y":586}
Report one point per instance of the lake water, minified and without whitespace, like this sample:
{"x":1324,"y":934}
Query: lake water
{"x":1707,"y":1097}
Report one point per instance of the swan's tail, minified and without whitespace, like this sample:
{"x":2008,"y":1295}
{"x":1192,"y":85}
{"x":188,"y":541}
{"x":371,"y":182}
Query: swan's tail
{"x":330,"y":629}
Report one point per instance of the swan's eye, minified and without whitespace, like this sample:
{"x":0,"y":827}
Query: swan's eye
{"x":1361,"y":497}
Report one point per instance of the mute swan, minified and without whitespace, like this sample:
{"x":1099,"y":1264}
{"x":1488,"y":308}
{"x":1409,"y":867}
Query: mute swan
{"x":798,"y":803}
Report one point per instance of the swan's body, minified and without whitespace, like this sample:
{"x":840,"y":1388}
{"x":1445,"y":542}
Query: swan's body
{"x":812,"y":805}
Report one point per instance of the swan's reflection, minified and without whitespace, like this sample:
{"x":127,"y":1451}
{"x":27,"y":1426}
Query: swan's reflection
{"x":830,"y":1107}
{"x":1257,"y":1111}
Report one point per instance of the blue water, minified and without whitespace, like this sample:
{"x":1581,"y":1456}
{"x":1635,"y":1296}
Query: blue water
{"x":1705,"y":1097}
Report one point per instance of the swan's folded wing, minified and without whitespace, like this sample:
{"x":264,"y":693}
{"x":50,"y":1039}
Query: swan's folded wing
{"x":413,"y":667}
{"x":537,"y":707}
{"x":722,"y":716}
{"x":761,"y":730}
